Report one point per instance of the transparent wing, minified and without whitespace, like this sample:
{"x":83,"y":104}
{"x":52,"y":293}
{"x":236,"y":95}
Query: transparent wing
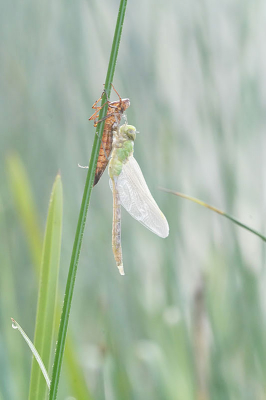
{"x":136,"y":198}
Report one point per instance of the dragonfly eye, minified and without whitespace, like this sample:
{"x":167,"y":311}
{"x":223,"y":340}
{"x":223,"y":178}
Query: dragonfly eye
{"x":131,"y":133}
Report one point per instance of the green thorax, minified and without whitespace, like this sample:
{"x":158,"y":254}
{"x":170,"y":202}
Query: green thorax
{"x":123,"y":148}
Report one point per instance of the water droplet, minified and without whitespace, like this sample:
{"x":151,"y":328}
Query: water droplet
{"x":14,"y":325}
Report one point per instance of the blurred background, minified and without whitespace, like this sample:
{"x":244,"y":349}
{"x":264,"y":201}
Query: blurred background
{"x":188,"y":319}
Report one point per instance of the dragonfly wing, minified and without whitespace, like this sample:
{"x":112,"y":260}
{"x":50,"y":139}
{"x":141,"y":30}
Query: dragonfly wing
{"x":136,"y":198}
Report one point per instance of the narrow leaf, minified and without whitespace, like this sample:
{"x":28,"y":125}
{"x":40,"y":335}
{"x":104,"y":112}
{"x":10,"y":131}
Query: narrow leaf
{"x":15,"y":325}
{"x":27,"y":211}
{"x":25,"y":205}
{"x":45,"y":319}
{"x":13,"y":357}
{"x":202,"y":203}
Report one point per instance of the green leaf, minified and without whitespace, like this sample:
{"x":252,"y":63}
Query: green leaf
{"x":14,"y":349}
{"x":27,"y":211}
{"x":45,"y":320}
{"x":15,"y":325}
{"x":215,"y":209}
{"x":26,"y":208}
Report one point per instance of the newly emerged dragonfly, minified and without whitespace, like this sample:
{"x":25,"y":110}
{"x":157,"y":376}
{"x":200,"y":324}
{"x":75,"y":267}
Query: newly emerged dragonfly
{"x":130,"y":189}
{"x":112,"y":121}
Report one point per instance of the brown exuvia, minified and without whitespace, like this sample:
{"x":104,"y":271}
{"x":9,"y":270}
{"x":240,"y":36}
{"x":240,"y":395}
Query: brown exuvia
{"x":111,"y":124}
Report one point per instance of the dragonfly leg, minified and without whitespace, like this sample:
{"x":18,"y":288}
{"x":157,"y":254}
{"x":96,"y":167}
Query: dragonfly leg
{"x":94,"y":106}
{"x":95,"y":115}
{"x":96,"y":102}
{"x":98,"y":108}
{"x":117,"y":93}
{"x":107,"y":98}
{"x":108,"y":115}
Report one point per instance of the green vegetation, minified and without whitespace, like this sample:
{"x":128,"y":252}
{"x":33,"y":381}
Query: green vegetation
{"x":187,"y":321}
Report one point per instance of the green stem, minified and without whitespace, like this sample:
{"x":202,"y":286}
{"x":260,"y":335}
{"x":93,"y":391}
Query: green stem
{"x":185,"y":196}
{"x":59,"y":352}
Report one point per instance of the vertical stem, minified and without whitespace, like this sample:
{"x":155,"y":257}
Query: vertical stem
{"x":61,"y":339}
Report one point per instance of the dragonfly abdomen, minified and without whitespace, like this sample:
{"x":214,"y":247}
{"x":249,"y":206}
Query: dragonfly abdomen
{"x":116,"y":230}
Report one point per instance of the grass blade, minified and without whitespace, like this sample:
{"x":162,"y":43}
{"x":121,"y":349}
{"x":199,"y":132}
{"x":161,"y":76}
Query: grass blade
{"x":27,"y":212}
{"x":25,"y":205}
{"x":83,"y":210}
{"x":14,"y":358}
{"x":45,"y":320}
{"x":202,"y":203}
{"x":15,"y":325}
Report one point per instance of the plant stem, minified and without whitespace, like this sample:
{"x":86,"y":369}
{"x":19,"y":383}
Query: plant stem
{"x":84,"y":208}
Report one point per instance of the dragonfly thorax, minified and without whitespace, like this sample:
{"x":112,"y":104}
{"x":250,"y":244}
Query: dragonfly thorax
{"x":123,"y":146}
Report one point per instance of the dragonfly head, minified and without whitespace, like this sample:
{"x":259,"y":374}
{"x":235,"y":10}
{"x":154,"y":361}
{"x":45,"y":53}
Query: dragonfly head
{"x":128,"y":131}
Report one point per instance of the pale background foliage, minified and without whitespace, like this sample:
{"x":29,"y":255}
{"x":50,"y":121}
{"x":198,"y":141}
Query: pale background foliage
{"x":195,"y":75}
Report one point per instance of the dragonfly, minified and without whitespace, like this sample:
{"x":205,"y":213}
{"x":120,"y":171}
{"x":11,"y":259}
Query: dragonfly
{"x":131,"y":191}
{"x":113,"y":117}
